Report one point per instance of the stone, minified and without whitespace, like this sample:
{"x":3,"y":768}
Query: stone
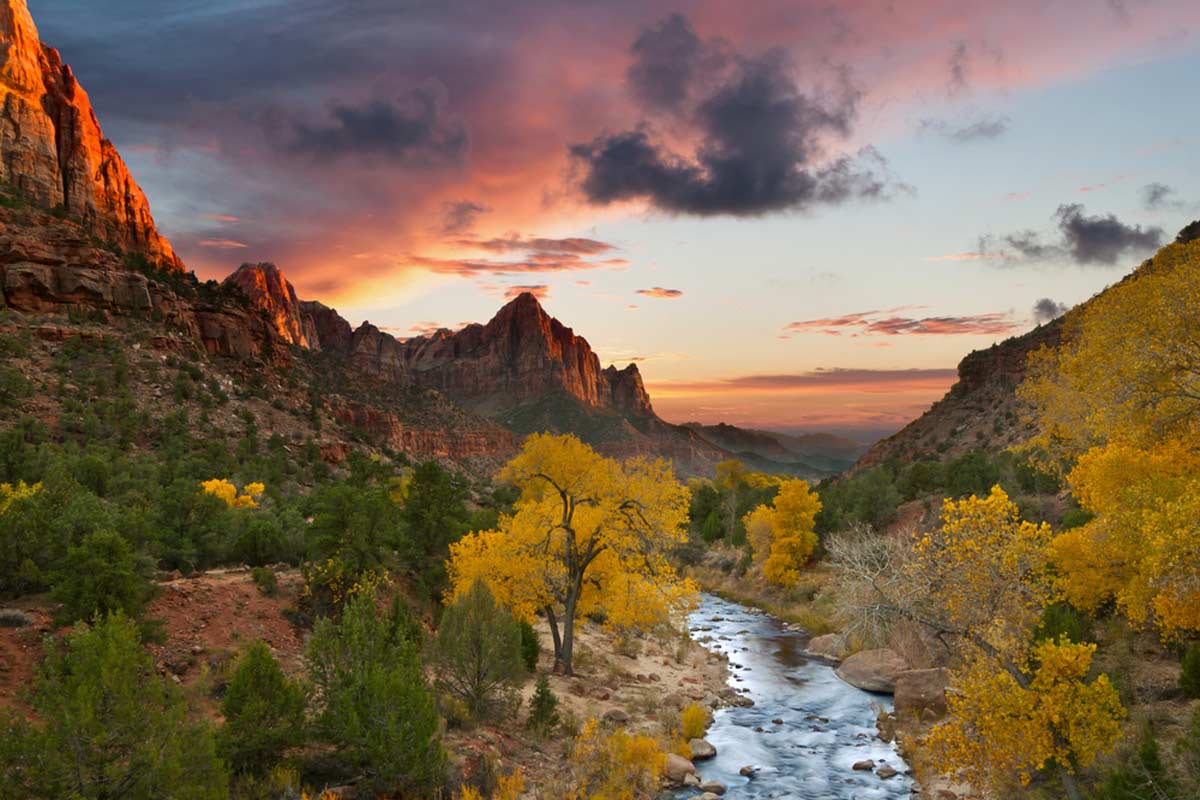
{"x":748,"y":771}
{"x":713,"y":787}
{"x":777,"y":721}
{"x":830,"y":646}
{"x":863,"y":766}
{"x":707,"y":796}
{"x":616,"y":716}
{"x":886,"y":771}
{"x":702,"y":749}
{"x":678,"y":768}
{"x":872,"y":670}
{"x":692,"y":779}
{"x":922,"y":692}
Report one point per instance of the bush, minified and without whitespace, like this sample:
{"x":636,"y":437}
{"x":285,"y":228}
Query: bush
{"x":693,"y":722}
{"x":374,"y":706}
{"x":620,"y":764}
{"x":1189,"y":676}
{"x":108,"y":727}
{"x":266,"y":580}
{"x":100,"y":576}
{"x":1063,"y":620}
{"x":264,"y":713}
{"x":543,"y":708}
{"x":477,"y":651}
{"x":530,"y":646}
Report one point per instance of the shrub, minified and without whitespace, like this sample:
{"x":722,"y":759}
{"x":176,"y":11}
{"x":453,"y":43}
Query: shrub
{"x":693,"y":722}
{"x":1063,"y":620}
{"x":374,"y":706}
{"x":530,"y":646}
{"x":543,"y":707}
{"x":264,"y":713}
{"x":108,"y":727}
{"x":619,"y":764}
{"x":1189,"y":676}
{"x":100,"y":576}
{"x":477,"y":652}
{"x":266,"y":580}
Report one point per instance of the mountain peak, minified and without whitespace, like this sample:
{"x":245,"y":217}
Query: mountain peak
{"x":52,"y":148}
{"x":269,"y":291}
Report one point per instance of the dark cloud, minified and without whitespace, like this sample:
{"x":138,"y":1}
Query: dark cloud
{"x":987,"y":127}
{"x":669,"y":60}
{"x":415,"y":128}
{"x":1097,"y":239}
{"x":759,"y":150}
{"x":959,"y":68}
{"x":1159,"y":196}
{"x":890,"y":323}
{"x":458,"y":216}
{"x":574,"y":245}
{"x":1047,"y":309}
{"x":660,"y":292}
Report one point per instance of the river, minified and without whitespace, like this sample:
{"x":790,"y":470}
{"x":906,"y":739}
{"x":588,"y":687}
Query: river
{"x":827,"y":725}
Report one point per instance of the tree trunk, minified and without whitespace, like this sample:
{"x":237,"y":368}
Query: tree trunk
{"x":553,"y":620}
{"x":1070,"y":785}
{"x":568,"y":639}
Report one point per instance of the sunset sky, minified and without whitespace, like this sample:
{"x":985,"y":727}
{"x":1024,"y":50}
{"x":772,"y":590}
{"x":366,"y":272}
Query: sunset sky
{"x":796,"y":215}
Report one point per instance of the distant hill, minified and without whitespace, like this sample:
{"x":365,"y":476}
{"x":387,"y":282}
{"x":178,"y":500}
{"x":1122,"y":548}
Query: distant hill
{"x":816,"y":455}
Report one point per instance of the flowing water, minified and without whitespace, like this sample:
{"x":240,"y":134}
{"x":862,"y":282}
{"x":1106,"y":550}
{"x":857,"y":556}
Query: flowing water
{"x":827,"y":725}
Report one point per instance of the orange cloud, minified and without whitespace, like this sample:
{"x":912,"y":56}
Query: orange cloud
{"x":659,"y":291}
{"x":228,"y":244}
{"x":540,"y":290}
{"x":878,"y":323}
{"x":226,"y":218}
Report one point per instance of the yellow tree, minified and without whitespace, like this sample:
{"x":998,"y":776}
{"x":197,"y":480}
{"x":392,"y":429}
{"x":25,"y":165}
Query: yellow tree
{"x":226,"y":491}
{"x":1120,"y":399}
{"x":588,"y":536}
{"x":980,"y":582}
{"x":782,"y":536}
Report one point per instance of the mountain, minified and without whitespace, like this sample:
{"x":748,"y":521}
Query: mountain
{"x":53,"y":150}
{"x":814,"y":455}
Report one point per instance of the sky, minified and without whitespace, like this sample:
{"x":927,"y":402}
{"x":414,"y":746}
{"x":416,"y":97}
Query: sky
{"x":792,"y":215}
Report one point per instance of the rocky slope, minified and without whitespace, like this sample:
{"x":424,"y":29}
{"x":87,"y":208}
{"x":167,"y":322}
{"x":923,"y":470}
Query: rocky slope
{"x":52,"y":147}
{"x":807,"y":455}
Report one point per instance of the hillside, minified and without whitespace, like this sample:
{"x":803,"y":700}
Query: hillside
{"x":806,"y":456}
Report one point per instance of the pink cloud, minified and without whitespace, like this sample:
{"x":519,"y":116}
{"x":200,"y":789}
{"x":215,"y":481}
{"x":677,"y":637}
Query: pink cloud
{"x":660,"y":292}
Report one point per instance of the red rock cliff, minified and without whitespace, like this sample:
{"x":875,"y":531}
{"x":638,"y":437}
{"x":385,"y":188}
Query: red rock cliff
{"x":270,"y":293}
{"x":52,"y":148}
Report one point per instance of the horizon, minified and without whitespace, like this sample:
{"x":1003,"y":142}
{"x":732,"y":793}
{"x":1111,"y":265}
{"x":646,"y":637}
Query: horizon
{"x":796,"y":220}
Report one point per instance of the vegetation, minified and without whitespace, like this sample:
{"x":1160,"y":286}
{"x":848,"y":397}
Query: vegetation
{"x":543,"y":707}
{"x":108,"y":726}
{"x":589,"y":537}
{"x":264,"y":714}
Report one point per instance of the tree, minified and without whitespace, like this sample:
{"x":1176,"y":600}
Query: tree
{"x":108,"y":727}
{"x":434,"y":515}
{"x":227,"y":492}
{"x":588,"y":536}
{"x":372,"y":701}
{"x":617,"y":764}
{"x":477,"y":651}
{"x":543,"y":713}
{"x":782,"y":536}
{"x":981,"y":583}
{"x":264,"y":713}
{"x":100,"y":576}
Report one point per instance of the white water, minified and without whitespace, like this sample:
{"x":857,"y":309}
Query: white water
{"x":827,"y":725}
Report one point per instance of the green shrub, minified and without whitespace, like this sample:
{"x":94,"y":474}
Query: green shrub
{"x":1074,"y":518}
{"x":100,"y":576}
{"x":1189,"y":676}
{"x":264,"y":713}
{"x":477,"y":651}
{"x":543,"y":708}
{"x":1063,"y":620}
{"x":108,"y":727}
{"x":373,"y":705}
{"x":530,"y":646}
{"x":1142,"y":777}
{"x":266,"y":580}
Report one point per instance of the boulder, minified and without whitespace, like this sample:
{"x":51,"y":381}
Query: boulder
{"x":885,"y":771}
{"x":708,"y":796}
{"x":616,"y":716}
{"x":872,"y":670}
{"x":678,"y":768}
{"x":863,"y":766}
{"x":831,"y":646}
{"x":713,"y":787}
{"x":748,"y":771}
{"x":702,"y":749}
{"x":922,"y":692}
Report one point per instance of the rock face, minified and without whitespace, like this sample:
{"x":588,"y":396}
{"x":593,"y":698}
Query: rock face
{"x":269,"y":292}
{"x":922,"y":692}
{"x":872,"y":670}
{"x":52,"y":148}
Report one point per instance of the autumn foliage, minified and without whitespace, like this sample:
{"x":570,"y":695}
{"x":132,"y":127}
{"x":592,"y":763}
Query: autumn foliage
{"x":781,"y":535}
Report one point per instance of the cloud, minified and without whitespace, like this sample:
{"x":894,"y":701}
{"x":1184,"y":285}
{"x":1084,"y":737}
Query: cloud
{"x":984,"y":128}
{"x":516,"y":243}
{"x":1045,"y":310}
{"x":469,"y":267}
{"x":414,"y":128}
{"x":669,"y":60}
{"x":458,"y":216}
{"x":1086,"y":240}
{"x":539,"y":290}
{"x":228,"y":219}
{"x":1159,"y":196}
{"x":959,"y":69}
{"x":967,"y":257}
{"x":823,"y":379}
{"x":228,"y":244}
{"x":759,"y":140}
{"x":660,"y":292}
{"x":890,"y":323}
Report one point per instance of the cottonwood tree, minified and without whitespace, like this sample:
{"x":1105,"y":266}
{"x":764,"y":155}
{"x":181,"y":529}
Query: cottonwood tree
{"x":980,"y":583}
{"x":782,"y":536}
{"x":588,"y":536}
{"x":1118,"y":403}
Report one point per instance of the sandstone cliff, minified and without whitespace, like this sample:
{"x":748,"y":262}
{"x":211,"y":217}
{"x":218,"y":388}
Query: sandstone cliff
{"x":52,"y":148}
{"x":270,"y":293}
